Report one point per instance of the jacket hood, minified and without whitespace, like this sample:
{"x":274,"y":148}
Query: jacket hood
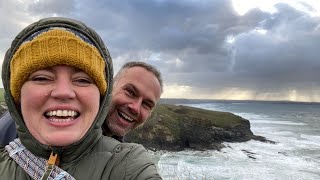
{"x":72,"y":152}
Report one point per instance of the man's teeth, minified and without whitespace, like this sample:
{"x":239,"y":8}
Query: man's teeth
{"x":62,"y":113}
{"x":126,"y":117}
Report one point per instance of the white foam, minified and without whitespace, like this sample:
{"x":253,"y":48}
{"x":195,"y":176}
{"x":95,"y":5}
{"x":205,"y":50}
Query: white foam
{"x":278,"y":122}
{"x":266,"y":162}
{"x":311,"y":137}
{"x":294,"y":156}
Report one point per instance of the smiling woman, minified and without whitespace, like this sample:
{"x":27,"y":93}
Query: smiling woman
{"x":57,"y":79}
{"x":60,"y":100}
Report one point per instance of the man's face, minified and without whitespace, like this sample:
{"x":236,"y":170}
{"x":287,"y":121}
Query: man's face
{"x":134,"y":96}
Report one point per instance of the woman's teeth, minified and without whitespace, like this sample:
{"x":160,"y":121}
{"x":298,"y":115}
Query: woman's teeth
{"x":62,"y":113}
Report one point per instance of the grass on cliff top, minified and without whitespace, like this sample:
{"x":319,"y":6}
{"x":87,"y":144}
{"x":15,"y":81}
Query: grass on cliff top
{"x":170,"y":114}
{"x":1,"y":95}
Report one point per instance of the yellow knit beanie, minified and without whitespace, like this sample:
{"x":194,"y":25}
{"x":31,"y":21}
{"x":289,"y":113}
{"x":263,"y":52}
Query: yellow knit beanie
{"x":56,"y":46}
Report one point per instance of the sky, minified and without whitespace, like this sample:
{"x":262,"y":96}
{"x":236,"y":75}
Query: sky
{"x":205,"y":49}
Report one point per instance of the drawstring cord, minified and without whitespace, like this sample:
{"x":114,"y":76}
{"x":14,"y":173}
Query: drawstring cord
{"x":36,"y":167}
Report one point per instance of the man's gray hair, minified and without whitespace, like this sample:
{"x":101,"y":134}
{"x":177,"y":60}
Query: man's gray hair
{"x":144,"y":65}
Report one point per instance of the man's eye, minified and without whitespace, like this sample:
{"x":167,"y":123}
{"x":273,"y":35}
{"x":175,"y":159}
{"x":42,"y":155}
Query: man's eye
{"x":147,"y":105}
{"x":130,"y":92}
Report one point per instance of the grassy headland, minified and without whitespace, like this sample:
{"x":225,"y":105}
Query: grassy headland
{"x":1,"y":95}
{"x":173,"y":127}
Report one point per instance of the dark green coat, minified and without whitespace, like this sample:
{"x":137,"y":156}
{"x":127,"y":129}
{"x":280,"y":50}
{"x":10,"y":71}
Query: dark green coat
{"x":94,"y":156}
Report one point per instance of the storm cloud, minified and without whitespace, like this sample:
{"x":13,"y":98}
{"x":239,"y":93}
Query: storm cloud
{"x":204,"y":49}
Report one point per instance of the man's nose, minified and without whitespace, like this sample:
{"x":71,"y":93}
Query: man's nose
{"x":135,"y":105}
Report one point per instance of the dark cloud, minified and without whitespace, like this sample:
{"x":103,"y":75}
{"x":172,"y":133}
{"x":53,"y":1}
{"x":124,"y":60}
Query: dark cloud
{"x":52,"y":7}
{"x":205,"y":45}
{"x":286,"y":54}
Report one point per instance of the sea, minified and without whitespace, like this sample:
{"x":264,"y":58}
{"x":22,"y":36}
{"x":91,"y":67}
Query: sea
{"x":295,"y":127}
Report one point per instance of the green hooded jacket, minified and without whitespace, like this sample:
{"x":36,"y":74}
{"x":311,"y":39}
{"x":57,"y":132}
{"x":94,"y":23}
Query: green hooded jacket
{"x":94,"y":156}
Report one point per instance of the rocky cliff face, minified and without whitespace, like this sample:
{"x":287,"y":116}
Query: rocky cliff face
{"x":172,"y":127}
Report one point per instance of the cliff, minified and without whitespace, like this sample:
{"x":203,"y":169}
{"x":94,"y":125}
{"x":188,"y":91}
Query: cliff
{"x":175,"y":128}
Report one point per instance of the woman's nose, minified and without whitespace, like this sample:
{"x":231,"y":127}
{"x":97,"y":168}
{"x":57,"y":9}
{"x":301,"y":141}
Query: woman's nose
{"x":63,"y":89}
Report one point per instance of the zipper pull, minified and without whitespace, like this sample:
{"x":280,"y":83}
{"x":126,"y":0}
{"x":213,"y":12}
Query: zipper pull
{"x":52,"y":161}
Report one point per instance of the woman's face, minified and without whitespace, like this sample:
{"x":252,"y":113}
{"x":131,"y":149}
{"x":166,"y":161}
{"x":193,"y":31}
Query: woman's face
{"x":59,"y":104}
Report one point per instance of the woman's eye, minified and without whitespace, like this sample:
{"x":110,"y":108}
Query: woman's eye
{"x":40,"y":78}
{"x":83,"y":81}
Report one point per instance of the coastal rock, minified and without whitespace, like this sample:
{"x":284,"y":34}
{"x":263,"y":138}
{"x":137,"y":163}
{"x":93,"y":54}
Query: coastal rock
{"x":177,"y":127}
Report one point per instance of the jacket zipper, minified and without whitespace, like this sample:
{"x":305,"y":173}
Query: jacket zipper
{"x":52,"y":161}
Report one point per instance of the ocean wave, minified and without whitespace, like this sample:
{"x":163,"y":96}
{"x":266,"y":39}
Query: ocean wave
{"x":279,"y":122}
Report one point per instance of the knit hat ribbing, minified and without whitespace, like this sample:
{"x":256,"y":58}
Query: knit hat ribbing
{"x":56,"y":46}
